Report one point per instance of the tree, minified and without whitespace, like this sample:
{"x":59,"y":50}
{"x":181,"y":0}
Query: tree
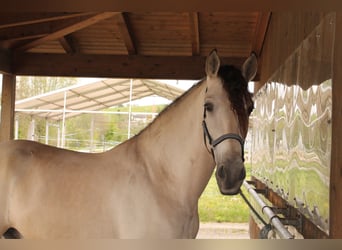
{"x":28,"y":86}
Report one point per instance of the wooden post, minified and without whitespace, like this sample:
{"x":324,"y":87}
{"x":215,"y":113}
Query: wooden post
{"x":336,"y":147}
{"x":7,"y":108}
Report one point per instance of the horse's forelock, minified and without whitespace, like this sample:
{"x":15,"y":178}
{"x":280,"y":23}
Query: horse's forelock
{"x":237,"y":89}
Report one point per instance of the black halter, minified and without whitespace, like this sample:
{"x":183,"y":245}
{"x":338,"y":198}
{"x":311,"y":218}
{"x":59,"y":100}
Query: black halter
{"x":214,"y":143}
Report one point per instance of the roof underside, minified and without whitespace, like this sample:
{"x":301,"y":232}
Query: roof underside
{"x":131,"y":33}
{"x":160,"y":45}
{"x":93,"y":97}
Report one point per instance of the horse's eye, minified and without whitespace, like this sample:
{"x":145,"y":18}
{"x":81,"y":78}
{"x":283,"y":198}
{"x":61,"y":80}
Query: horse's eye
{"x":209,"y":106}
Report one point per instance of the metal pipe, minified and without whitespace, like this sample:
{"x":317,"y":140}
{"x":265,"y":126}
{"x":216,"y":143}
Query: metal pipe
{"x":272,"y":217}
{"x":46,"y":131}
{"x":63,"y":120}
{"x":130,"y":108}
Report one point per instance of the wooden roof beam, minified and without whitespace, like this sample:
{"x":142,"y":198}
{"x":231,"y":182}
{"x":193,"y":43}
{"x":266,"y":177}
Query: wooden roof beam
{"x":33,"y":31}
{"x":19,"y":20}
{"x":194,"y":32}
{"x":5,"y":61}
{"x":67,"y":30}
{"x":16,"y":41}
{"x":67,"y":44}
{"x":126,"y":33}
{"x":260,"y":32}
{"x":123,"y":66}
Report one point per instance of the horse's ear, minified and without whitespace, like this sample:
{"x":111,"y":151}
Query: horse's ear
{"x":212,"y":64}
{"x":250,"y":67}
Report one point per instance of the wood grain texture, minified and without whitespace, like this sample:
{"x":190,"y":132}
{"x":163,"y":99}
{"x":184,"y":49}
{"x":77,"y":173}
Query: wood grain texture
{"x":67,"y":30}
{"x":7,"y":108}
{"x":160,"y":67}
{"x":336,"y":147}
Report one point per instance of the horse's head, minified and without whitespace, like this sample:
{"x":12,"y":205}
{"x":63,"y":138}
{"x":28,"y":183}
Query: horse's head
{"x":227,"y":106}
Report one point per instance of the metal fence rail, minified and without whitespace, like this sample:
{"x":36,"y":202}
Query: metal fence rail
{"x":271,"y":216}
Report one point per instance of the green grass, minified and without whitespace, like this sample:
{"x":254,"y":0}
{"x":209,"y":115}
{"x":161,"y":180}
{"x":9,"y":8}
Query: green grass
{"x":215,"y":207}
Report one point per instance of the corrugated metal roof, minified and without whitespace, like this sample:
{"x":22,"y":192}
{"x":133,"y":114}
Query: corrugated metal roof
{"x":94,"y":96}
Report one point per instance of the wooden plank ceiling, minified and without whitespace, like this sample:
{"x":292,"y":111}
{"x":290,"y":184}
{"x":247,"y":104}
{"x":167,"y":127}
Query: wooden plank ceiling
{"x":121,"y":44}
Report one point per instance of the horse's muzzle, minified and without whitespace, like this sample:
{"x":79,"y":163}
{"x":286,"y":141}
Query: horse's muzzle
{"x":230,"y":177}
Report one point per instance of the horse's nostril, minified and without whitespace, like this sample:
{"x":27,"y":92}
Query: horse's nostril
{"x":220,"y":172}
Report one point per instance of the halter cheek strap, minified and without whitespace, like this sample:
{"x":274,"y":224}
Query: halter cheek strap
{"x":214,"y":143}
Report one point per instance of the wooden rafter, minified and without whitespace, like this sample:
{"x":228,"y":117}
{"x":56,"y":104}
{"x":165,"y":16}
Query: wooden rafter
{"x":34,"y":19}
{"x":10,"y":43}
{"x":65,"y":31}
{"x":67,"y":44}
{"x":260,"y":32}
{"x":18,"y":36}
{"x":126,"y":33}
{"x":38,"y":29}
{"x":194,"y":31}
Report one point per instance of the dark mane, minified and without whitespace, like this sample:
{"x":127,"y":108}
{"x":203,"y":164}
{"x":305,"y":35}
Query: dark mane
{"x":237,"y":89}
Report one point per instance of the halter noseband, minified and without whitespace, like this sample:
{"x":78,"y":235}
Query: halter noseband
{"x":214,"y":143}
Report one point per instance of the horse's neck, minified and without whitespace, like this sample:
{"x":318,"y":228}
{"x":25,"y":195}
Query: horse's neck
{"x":173,"y":147}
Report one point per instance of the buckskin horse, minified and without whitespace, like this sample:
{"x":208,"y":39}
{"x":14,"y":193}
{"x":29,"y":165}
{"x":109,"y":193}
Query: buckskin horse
{"x":146,"y":187}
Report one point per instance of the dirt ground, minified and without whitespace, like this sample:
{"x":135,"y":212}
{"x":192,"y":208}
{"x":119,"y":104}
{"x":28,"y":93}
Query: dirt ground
{"x":223,"y":231}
